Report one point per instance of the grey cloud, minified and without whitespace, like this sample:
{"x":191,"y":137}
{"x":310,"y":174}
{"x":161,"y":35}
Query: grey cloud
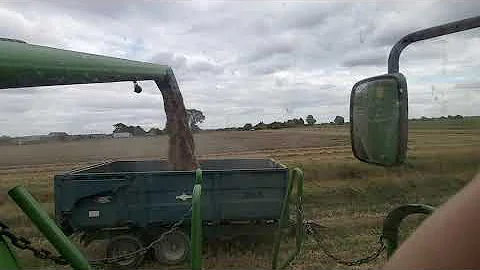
{"x":379,"y":60}
{"x":205,"y":66}
{"x":292,"y":96}
{"x":297,"y":98}
{"x":110,"y":9}
{"x":19,"y":91}
{"x":308,"y":15}
{"x":454,"y":10}
{"x":389,"y":34}
{"x":169,"y":58}
{"x":12,"y":108}
{"x":187,"y":69}
{"x":307,"y":20}
{"x":133,"y":104}
{"x":427,"y":14}
{"x":279,"y":82}
{"x":270,"y":50}
{"x":270,"y":66}
{"x":468,"y":86}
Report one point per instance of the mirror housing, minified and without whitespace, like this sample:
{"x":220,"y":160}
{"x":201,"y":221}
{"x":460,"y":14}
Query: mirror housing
{"x":379,"y":119}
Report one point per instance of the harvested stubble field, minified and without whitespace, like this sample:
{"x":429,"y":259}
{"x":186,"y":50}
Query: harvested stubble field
{"x":348,"y":197}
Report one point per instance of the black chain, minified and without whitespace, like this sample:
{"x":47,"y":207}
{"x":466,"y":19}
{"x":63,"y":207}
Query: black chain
{"x":24,"y":244}
{"x":312,"y":229}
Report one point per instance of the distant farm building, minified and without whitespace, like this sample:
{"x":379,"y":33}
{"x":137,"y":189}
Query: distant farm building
{"x":57,"y":135}
{"x":97,"y":136}
{"x":118,"y":135}
{"x":31,"y":139}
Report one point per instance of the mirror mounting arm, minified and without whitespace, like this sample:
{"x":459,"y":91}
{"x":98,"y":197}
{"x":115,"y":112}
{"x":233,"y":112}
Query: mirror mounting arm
{"x":432,"y":32}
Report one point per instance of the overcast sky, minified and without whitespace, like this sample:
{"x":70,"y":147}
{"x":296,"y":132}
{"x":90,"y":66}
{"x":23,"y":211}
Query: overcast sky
{"x":240,"y":62}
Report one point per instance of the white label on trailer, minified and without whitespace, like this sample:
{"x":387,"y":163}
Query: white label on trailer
{"x":93,"y":214}
{"x":183,"y":197}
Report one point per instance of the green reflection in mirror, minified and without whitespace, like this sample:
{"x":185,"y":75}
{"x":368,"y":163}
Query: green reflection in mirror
{"x":377,"y":114}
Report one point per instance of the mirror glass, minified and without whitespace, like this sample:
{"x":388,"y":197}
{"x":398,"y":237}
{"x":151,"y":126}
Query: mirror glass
{"x":377,"y":113}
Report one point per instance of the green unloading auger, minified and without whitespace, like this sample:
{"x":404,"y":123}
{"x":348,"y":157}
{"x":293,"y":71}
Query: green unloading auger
{"x":27,"y":65}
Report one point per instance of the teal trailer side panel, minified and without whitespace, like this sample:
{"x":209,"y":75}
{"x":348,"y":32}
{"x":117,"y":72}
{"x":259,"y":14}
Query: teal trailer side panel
{"x":144,"y":193}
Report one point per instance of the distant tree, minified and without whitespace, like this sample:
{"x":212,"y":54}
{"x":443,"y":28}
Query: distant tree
{"x":61,"y":136}
{"x":194,"y":117}
{"x":5,"y":140}
{"x":289,"y":123}
{"x":301,"y":122}
{"x":155,"y":131}
{"x":247,"y":126}
{"x":339,"y":120}
{"x":310,"y":120}
{"x":120,"y":127}
{"x":458,"y":116}
{"x":260,"y":126}
{"x":134,"y":130}
{"x":137,"y":131}
{"x":294,"y":122}
{"x":275,"y":125}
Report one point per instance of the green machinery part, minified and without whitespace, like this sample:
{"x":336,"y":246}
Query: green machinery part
{"x":296,"y":178}
{"x":8,"y":259}
{"x":28,"y":65}
{"x":391,"y":224}
{"x":48,"y":228}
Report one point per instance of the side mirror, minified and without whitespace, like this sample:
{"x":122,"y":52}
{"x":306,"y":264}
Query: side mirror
{"x":379,"y":119}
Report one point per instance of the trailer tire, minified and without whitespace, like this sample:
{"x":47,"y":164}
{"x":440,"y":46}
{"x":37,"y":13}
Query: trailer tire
{"x":124,"y":244}
{"x":173,"y":249}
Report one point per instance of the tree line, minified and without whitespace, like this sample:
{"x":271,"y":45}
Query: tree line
{"x":449,"y":117}
{"x":289,"y":123}
{"x":194,"y":117}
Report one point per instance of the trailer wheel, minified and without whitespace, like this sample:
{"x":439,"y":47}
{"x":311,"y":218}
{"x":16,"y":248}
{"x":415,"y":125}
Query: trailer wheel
{"x":125,"y":244}
{"x":174,"y":248}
